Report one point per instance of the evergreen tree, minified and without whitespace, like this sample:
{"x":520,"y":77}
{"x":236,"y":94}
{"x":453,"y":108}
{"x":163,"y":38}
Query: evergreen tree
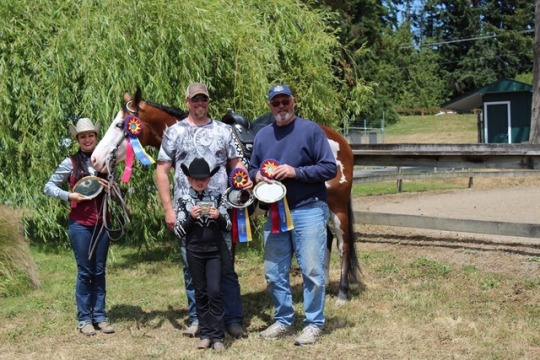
{"x":480,"y":41}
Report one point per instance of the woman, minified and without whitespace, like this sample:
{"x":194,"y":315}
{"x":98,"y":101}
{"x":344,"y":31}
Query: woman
{"x":85,"y":222}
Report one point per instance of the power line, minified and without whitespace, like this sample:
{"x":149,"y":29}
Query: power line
{"x":462,"y":40}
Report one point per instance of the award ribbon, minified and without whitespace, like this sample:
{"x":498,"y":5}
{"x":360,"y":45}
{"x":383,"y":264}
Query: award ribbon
{"x":134,"y":127}
{"x":241,"y":228}
{"x":279,"y":211}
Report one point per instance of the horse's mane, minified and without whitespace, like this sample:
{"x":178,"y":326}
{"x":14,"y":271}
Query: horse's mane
{"x":171,"y":110}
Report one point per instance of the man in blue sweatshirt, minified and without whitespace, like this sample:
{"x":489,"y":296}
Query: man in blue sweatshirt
{"x":295,"y":152}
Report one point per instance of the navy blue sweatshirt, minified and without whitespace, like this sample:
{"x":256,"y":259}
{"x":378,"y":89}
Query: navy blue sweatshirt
{"x":303,"y":145}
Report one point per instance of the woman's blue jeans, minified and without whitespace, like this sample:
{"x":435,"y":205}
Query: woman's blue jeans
{"x":307,"y":241}
{"x":90,"y":287}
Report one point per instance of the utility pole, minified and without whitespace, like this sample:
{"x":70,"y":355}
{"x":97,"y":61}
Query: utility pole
{"x":534,"y":137}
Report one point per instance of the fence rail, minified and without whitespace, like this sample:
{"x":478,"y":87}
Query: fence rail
{"x":470,"y":156}
{"x":448,"y":224}
{"x":415,"y":175}
{"x":494,"y":156}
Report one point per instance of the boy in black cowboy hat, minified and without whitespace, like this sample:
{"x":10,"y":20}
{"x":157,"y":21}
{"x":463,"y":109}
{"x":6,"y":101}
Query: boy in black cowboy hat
{"x":201,"y":219}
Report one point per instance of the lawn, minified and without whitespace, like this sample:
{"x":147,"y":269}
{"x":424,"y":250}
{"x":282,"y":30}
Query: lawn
{"x":416,"y":306}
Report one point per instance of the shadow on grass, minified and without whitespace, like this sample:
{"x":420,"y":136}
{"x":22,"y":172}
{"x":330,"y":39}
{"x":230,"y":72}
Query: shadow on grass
{"x":258,"y":305}
{"x":154,"y":318}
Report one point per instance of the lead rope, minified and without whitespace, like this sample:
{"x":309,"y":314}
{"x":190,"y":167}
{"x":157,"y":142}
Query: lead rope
{"x":113,"y":196}
{"x":112,"y":206}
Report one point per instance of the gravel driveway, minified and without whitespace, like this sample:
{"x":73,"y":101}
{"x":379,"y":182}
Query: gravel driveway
{"x":507,"y":200}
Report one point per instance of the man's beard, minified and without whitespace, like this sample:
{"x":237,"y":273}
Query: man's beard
{"x":200,"y":113}
{"x":283,"y":118}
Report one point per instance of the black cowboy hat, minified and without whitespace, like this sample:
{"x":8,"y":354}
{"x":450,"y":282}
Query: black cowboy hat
{"x":199,"y":169}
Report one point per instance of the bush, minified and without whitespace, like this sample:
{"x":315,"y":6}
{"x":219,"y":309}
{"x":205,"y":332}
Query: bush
{"x":18,"y":272}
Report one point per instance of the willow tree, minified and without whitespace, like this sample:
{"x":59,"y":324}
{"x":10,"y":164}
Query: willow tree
{"x":61,"y":60}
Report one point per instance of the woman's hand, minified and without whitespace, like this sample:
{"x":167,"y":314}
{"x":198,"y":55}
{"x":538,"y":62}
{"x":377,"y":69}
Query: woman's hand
{"x":76,"y":197}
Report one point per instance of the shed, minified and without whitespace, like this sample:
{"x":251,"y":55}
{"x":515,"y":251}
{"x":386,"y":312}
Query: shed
{"x":505,"y":111}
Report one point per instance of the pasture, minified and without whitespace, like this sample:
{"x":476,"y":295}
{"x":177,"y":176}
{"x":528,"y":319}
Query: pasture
{"x":437,"y":301}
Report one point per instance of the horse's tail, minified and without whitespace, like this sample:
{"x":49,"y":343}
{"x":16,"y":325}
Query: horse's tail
{"x":354,"y":275}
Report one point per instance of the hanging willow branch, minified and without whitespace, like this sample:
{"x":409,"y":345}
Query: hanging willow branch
{"x":63,"y":60}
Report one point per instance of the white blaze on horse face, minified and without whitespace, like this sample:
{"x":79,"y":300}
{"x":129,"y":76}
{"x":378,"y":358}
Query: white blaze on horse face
{"x":334,"y":145}
{"x":106,"y":146}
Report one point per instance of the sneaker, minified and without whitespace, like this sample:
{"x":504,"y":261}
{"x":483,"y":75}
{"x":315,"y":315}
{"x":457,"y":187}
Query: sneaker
{"x":236,"y":331}
{"x":275,"y":330}
{"x":218,"y":346}
{"x":203,"y":344}
{"x":105,"y":327}
{"x":87,"y":329}
{"x":308,"y":336}
{"x":192,"y":330}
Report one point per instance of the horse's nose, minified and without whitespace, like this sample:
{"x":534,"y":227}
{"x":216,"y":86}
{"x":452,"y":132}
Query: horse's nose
{"x":95,"y":164}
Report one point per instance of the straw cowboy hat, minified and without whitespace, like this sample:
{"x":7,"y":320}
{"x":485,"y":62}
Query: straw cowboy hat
{"x":84,"y":125}
{"x":199,"y":169}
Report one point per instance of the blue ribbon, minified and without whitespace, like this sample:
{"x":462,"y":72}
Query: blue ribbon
{"x":285,"y":221}
{"x":242,"y":233}
{"x":138,"y":149}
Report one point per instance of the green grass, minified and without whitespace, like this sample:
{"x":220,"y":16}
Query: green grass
{"x":413,"y":186}
{"x":443,"y":129}
{"x":415,"y":307}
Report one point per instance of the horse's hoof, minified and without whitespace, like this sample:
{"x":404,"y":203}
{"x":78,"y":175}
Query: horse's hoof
{"x":341,"y":300}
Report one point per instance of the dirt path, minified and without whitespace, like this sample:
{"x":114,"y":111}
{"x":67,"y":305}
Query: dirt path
{"x":508,"y":200}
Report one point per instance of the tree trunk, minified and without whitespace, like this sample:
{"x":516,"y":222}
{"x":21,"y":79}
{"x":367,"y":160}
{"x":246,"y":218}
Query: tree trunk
{"x":534,"y":137}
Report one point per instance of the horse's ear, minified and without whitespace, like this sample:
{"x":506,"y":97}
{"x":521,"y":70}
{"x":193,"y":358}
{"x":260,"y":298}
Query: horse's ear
{"x":127,"y":97}
{"x":137,"y":96}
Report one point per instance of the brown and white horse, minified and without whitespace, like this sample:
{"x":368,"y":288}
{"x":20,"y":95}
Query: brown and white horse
{"x":155,"y":118}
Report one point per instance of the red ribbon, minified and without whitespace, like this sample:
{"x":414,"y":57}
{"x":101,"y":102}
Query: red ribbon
{"x":274,"y":211}
{"x":234,"y":230}
{"x":129,"y":162}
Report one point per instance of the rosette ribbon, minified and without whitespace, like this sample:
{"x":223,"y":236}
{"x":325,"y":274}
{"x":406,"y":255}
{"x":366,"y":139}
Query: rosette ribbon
{"x":134,"y":127}
{"x":279,"y":210}
{"x":241,"y":228}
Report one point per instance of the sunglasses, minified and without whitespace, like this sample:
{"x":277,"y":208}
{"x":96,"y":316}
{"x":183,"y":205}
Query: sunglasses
{"x":283,"y":102}
{"x":200,"y":98}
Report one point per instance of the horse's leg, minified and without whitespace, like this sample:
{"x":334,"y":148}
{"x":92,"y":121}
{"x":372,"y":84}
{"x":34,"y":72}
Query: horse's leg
{"x":340,"y":223}
{"x":350,"y":266}
{"x":329,"y":239}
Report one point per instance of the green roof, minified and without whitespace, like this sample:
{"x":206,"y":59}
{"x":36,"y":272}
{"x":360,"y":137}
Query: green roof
{"x":473,"y":99}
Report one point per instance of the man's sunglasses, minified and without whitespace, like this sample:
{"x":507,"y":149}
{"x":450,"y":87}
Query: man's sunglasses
{"x":283,"y":102}
{"x":200,"y":98}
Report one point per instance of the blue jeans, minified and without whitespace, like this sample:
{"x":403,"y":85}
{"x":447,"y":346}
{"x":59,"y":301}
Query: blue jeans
{"x":90,"y":289}
{"x":307,"y":241}
{"x":230,"y":287}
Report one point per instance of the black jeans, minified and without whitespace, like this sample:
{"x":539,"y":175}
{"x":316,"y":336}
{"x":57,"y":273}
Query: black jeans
{"x":205,"y":270}
{"x":230,"y":287}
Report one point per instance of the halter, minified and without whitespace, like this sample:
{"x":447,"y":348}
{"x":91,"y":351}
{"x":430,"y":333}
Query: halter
{"x":111,"y":159}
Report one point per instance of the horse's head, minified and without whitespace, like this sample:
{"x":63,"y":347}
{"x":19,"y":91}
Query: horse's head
{"x":153,"y":118}
{"x":112,"y":148}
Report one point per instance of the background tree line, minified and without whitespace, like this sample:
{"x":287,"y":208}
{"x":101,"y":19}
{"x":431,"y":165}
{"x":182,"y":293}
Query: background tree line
{"x":65,"y":59}
{"x":421,"y":53}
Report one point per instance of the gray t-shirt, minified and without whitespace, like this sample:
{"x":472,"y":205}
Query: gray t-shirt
{"x":183,"y":142}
